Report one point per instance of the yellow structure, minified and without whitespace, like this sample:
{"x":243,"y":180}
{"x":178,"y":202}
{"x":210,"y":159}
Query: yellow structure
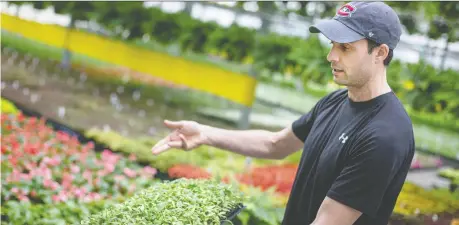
{"x":239,"y":88}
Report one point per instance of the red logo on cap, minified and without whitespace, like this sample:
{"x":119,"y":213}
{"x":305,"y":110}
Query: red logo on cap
{"x":346,"y":10}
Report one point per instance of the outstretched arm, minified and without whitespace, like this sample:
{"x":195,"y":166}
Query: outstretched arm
{"x":188,"y":135}
{"x":254,"y":143}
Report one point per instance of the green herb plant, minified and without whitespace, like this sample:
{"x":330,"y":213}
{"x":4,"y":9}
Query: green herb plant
{"x":182,"y":201}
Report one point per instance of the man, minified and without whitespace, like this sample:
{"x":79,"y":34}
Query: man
{"x":357,"y":143}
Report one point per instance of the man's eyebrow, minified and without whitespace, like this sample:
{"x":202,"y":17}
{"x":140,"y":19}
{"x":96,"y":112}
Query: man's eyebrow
{"x":342,"y":44}
{"x":347,"y":44}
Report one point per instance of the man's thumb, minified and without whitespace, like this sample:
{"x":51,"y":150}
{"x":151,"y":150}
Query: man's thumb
{"x":173,"y":124}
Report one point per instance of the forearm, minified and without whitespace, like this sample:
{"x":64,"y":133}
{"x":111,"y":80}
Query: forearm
{"x":253,"y":143}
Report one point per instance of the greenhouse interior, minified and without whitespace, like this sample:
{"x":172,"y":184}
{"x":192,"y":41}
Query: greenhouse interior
{"x":121,"y":70}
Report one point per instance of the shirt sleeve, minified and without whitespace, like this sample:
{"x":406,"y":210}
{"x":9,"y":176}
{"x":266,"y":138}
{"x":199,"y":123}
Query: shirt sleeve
{"x":302,"y":126}
{"x":371,"y":166}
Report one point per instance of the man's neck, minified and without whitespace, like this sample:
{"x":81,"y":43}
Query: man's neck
{"x":372,"y":89}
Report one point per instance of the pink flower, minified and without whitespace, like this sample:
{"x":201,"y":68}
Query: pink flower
{"x":45,"y":160}
{"x":63,"y":196}
{"x":23,"y":198}
{"x":74,"y":169}
{"x":48,"y":183}
{"x":67,"y":180}
{"x":129,"y":172}
{"x":25,"y":177}
{"x":132,"y":188}
{"x":96,"y":196}
{"x":416,"y":164}
{"x":101,"y":173}
{"x":30,"y":165}
{"x":42,"y":171}
{"x":106,"y":154}
{"x":56,"y":198}
{"x":109,"y":168}
{"x":87,"y":174}
{"x":92,"y":197}
{"x":55,"y":161}
{"x":15,"y":190}
{"x":79,"y":192}
{"x":132,"y":157}
{"x":119,"y":178}
{"x":438,"y":162}
{"x":149,"y":171}
{"x":14,"y":176}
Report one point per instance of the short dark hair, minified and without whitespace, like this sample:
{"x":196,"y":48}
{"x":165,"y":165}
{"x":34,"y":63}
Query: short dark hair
{"x":372,"y":44}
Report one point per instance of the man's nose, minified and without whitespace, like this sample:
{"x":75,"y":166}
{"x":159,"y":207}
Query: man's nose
{"x":332,"y":56}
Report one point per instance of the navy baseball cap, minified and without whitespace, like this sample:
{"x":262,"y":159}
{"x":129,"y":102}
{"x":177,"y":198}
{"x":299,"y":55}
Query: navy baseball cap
{"x":358,"y":20}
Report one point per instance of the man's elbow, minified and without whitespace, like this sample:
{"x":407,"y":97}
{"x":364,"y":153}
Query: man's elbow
{"x":279,"y":148}
{"x":283,"y":143}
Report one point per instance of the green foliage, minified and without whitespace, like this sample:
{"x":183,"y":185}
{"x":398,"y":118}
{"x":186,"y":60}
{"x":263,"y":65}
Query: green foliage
{"x":272,"y":53}
{"x":182,"y":201}
{"x":80,"y":10}
{"x":197,"y":36}
{"x":433,"y":91}
{"x":167,"y":28}
{"x":69,"y":212}
{"x":394,"y":75}
{"x":309,"y":60}
{"x":260,"y":208}
{"x":236,"y":41}
{"x":40,"y":5}
{"x":438,"y":25}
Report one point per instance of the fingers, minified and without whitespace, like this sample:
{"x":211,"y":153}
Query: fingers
{"x":173,"y":124}
{"x":184,"y":143}
{"x":166,"y":144}
{"x":160,"y":146}
{"x":159,"y":149}
{"x":176,"y":144}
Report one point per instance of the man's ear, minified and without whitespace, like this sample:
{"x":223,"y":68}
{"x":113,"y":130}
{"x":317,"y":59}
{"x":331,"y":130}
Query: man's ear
{"x":381,"y":53}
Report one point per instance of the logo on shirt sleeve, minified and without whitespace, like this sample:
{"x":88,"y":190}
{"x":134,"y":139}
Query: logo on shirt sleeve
{"x":343,"y":138}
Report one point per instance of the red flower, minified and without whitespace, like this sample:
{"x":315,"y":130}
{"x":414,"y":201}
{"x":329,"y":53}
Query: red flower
{"x":13,"y":160}
{"x":31,"y":149}
{"x":4,"y":149}
{"x":20,"y":117}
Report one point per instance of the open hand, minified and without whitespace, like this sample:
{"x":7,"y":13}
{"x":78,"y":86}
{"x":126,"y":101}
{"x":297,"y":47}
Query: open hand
{"x":186,"y":135}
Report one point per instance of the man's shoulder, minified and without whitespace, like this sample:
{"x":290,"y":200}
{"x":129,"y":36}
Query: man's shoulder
{"x":393,"y":117}
{"x":334,"y":97}
{"x":339,"y":93}
{"x":394,"y":136}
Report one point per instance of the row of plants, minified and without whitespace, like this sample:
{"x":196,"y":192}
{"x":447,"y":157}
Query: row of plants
{"x":451,"y":174}
{"x":49,"y":177}
{"x":426,"y":90}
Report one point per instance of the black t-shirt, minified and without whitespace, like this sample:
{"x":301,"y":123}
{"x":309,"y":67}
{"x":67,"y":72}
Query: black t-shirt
{"x":357,"y":153}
